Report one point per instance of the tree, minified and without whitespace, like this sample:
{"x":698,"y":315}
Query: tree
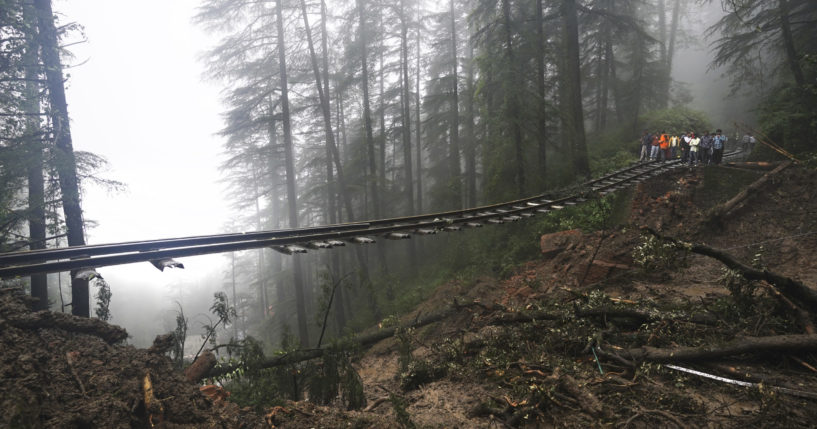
{"x":34,"y":161}
{"x":771,"y":35}
{"x":573,"y":113}
{"x":65,"y":160}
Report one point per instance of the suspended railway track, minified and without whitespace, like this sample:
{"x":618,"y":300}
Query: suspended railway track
{"x":160,"y":252}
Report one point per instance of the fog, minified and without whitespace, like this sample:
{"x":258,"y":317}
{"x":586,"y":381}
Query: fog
{"x":137,"y":97}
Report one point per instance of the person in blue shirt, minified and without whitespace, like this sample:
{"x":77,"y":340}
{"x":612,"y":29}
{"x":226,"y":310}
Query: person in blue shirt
{"x":718,"y":143}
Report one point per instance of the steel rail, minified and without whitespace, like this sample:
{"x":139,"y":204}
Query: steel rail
{"x":13,"y":258}
{"x":94,"y":256}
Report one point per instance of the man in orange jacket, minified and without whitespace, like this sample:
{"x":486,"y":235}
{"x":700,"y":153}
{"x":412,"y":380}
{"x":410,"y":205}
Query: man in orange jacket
{"x":663,"y":143}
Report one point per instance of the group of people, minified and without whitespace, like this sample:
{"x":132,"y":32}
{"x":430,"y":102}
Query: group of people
{"x":706,"y":148}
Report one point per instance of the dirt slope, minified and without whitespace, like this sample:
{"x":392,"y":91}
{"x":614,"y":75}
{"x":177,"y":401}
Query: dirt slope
{"x":520,"y":352}
{"x":478,"y":369}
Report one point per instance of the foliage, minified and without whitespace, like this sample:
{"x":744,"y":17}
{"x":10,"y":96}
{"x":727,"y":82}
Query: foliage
{"x":398,"y":403}
{"x":103,"y":299}
{"x":741,"y":289}
{"x":789,"y":118}
{"x":225,"y":314}
{"x":654,"y":254}
{"x":179,"y":338}
{"x":675,"y":120}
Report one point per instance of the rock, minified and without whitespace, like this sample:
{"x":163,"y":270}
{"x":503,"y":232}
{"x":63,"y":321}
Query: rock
{"x":600,"y":270}
{"x":553,"y":244}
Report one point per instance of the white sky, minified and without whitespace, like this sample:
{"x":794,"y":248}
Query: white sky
{"x":137,"y":98}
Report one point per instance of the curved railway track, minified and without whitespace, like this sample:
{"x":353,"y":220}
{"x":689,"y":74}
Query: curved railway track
{"x":290,"y":241}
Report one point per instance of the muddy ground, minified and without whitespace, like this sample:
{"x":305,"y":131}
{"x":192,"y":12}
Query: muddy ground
{"x":548,"y":347}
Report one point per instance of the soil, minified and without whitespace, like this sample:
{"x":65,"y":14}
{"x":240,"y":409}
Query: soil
{"x":480,"y":368}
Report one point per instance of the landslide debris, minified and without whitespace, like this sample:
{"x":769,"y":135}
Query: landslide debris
{"x":60,"y":371}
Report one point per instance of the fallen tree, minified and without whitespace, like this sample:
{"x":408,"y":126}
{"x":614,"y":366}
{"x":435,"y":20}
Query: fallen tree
{"x":722,"y":211}
{"x":358,"y":341}
{"x":777,"y":343}
{"x":787,"y":286}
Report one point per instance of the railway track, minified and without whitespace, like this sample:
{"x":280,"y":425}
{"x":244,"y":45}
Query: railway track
{"x":161,"y":252}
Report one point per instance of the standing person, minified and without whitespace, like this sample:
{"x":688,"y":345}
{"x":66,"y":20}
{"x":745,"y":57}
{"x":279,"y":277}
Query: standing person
{"x":646,"y":139}
{"x":685,"y":147}
{"x":705,"y":148}
{"x":744,"y":143}
{"x":694,"y":142}
{"x":718,"y":143}
{"x":655,"y":146}
{"x":673,"y":145}
{"x":663,"y":145}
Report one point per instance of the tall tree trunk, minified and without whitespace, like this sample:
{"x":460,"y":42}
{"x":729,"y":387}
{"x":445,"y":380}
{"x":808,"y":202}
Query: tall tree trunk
{"x":323,"y":95}
{"x":604,"y":86}
{"x":613,"y":81}
{"x":788,"y":42}
{"x":275,"y":210}
{"x":65,"y":161}
{"x":454,"y":135}
{"x":662,"y":41}
{"x":470,"y":135}
{"x":418,"y":123}
{"x":405,"y":100}
{"x":574,"y":113}
{"x":34,"y":163}
{"x":406,"y":113}
{"x":511,"y":102}
{"x":367,"y":111}
{"x":292,"y":195}
{"x":541,"y":123}
{"x":638,"y":73}
{"x":676,"y":18}
{"x":260,"y":271}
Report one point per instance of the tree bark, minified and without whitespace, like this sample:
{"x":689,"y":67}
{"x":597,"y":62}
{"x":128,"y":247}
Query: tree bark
{"x":511,"y":101}
{"x":676,"y":18}
{"x":367,"y":111}
{"x":418,"y":124}
{"x":574,"y":113}
{"x":34,"y":163}
{"x":292,"y":195}
{"x":662,"y":41}
{"x":66,"y":164}
{"x":778,"y":343}
{"x":406,"y":112}
{"x":454,"y":134}
{"x":788,"y":42}
{"x":470,"y":147}
{"x":541,"y":123}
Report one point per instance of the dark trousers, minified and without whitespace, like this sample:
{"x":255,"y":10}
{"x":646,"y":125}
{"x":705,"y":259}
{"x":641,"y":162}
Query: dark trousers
{"x":717,"y":156}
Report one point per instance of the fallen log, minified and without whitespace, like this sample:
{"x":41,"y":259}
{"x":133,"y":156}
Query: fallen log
{"x":758,"y":165}
{"x":50,"y":320}
{"x":613,"y":312}
{"x":789,"y":287}
{"x":722,"y":211}
{"x":360,"y":341}
{"x":778,"y":343}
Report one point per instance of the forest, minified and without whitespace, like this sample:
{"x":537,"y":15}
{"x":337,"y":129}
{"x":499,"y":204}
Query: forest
{"x":346,"y":111}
